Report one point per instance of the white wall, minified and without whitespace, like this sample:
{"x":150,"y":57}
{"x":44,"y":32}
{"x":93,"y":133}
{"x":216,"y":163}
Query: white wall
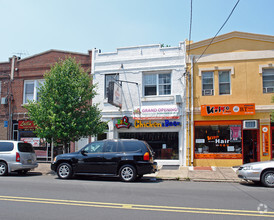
{"x":130,"y":63}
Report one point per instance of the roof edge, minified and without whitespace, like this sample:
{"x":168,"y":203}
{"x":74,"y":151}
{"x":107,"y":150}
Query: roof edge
{"x":238,"y":34}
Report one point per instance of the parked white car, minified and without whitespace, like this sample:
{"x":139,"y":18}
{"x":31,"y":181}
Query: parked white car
{"x":16,"y":156}
{"x":258,"y":172}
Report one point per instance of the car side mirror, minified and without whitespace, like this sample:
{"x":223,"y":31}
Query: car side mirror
{"x":83,"y":152}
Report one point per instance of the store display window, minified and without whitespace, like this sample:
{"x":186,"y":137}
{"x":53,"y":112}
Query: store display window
{"x":218,"y":140}
{"x":164,"y":144}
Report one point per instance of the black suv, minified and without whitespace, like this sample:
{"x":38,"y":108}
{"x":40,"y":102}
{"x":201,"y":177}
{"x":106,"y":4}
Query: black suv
{"x":127,"y":158}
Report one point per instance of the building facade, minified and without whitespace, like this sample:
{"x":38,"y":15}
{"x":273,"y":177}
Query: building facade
{"x":231,"y":88}
{"x":19,"y":82}
{"x":141,"y":92}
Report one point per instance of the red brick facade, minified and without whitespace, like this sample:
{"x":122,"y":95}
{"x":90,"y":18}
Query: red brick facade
{"x":31,"y":68}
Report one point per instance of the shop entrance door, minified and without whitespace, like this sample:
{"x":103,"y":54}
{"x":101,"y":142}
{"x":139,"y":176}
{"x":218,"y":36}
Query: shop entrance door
{"x":250,"y":146}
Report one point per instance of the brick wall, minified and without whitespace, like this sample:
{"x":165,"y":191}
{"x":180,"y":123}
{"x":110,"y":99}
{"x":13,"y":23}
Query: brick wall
{"x":30,"y":68}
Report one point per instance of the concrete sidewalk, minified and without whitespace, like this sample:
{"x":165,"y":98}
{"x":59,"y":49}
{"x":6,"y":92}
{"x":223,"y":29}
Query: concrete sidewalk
{"x":206,"y":174}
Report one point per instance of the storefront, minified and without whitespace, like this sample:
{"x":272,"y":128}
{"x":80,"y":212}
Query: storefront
{"x":231,"y":135}
{"x":23,"y":130}
{"x":163,"y":132}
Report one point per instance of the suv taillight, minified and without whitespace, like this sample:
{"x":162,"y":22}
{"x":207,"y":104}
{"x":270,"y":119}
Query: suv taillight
{"x":146,"y":156}
{"x":17,"y":157}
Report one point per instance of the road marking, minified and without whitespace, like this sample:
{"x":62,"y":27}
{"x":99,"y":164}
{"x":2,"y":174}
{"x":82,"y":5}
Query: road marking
{"x":138,"y":207}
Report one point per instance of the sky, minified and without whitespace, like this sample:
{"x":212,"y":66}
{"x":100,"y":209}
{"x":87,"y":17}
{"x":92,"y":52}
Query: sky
{"x":29,"y":27}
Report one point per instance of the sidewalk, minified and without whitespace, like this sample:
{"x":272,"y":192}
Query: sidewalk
{"x":201,"y":174}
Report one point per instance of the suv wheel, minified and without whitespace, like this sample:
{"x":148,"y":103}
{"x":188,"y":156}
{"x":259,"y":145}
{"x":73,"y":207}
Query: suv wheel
{"x":127,"y":173}
{"x":64,"y":171}
{"x":3,"y":169}
{"x":268,"y":178}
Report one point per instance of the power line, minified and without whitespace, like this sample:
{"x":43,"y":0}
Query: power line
{"x":218,"y":31}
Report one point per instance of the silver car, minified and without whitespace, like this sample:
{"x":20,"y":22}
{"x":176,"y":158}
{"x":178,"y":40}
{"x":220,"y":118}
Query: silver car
{"x":16,"y":156}
{"x":258,"y":172}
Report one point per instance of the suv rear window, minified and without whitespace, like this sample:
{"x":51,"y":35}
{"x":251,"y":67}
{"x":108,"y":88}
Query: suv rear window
{"x":132,"y":146}
{"x":6,"y":146}
{"x":25,"y":147}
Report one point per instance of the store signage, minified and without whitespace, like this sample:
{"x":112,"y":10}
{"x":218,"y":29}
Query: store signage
{"x":230,"y":109}
{"x":115,"y":94}
{"x":35,"y":142}
{"x":123,"y":123}
{"x":6,"y":123}
{"x":156,"y":112}
{"x":218,"y":156}
{"x":26,"y":125}
{"x":150,"y":124}
{"x":265,"y":133}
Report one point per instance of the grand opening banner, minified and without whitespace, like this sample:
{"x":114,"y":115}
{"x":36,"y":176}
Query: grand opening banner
{"x":157,"y":112}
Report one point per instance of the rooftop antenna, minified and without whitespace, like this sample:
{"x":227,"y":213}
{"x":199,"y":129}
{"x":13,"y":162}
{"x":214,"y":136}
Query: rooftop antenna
{"x":21,"y":54}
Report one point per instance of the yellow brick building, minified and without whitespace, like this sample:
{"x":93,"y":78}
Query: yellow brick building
{"x":229,"y":100}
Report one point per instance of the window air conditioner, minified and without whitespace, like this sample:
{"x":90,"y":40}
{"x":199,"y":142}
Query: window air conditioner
{"x":208,"y":92}
{"x":250,"y":124}
{"x":268,"y":89}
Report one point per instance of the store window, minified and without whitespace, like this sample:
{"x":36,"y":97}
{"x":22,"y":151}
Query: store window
{"x":164,"y":144}
{"x":207,"y":83}
{"x":224,"y":82}
{"x":31,"y":90}
{"x":110,"y":78}
{"x":268,"y":80}
{"x":157,"y":84}
{"x":214,"y":140}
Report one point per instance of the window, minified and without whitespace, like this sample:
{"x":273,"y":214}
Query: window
{"x":94,"y":147}
{"x":25,"y":148}
{"x":218,"y":139}
{"x":132,"y":146}
{"x":110,"y":147}
{"x":268,"y":80}
{"x":109,"y":78}
{"x":157,"y":84}
{"x":31,"y":89}
{"x":224,"y":82}
{"x":207,"y":83}
{"x":6,"y":146}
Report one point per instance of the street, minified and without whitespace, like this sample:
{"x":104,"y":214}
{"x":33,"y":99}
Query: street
{"x":36,"y":196}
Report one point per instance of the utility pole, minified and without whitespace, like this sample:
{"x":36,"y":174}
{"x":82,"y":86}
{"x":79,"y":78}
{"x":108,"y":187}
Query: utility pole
{"x":10,"y":98}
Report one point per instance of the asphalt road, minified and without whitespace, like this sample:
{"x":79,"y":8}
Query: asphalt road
{"x":46,"y":197}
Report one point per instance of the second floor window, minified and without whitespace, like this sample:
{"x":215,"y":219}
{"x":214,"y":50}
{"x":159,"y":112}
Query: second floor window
{"x":207,"y":83}
{"x":268,"y":80}
{"x":157,"y":84}
{"x":224,"y":82}
{"x":31,"y":89}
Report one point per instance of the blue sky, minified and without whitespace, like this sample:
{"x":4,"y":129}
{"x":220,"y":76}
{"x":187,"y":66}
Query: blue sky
{"x":35,"y":26}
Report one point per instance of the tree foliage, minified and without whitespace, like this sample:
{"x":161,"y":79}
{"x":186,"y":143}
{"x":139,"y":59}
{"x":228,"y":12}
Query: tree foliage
{"x":64,"y":112}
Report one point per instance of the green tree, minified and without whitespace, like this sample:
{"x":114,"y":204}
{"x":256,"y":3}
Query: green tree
{"x":64,"y":112}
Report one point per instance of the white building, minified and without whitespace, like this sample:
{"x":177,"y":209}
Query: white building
{"x":152,"y":93}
